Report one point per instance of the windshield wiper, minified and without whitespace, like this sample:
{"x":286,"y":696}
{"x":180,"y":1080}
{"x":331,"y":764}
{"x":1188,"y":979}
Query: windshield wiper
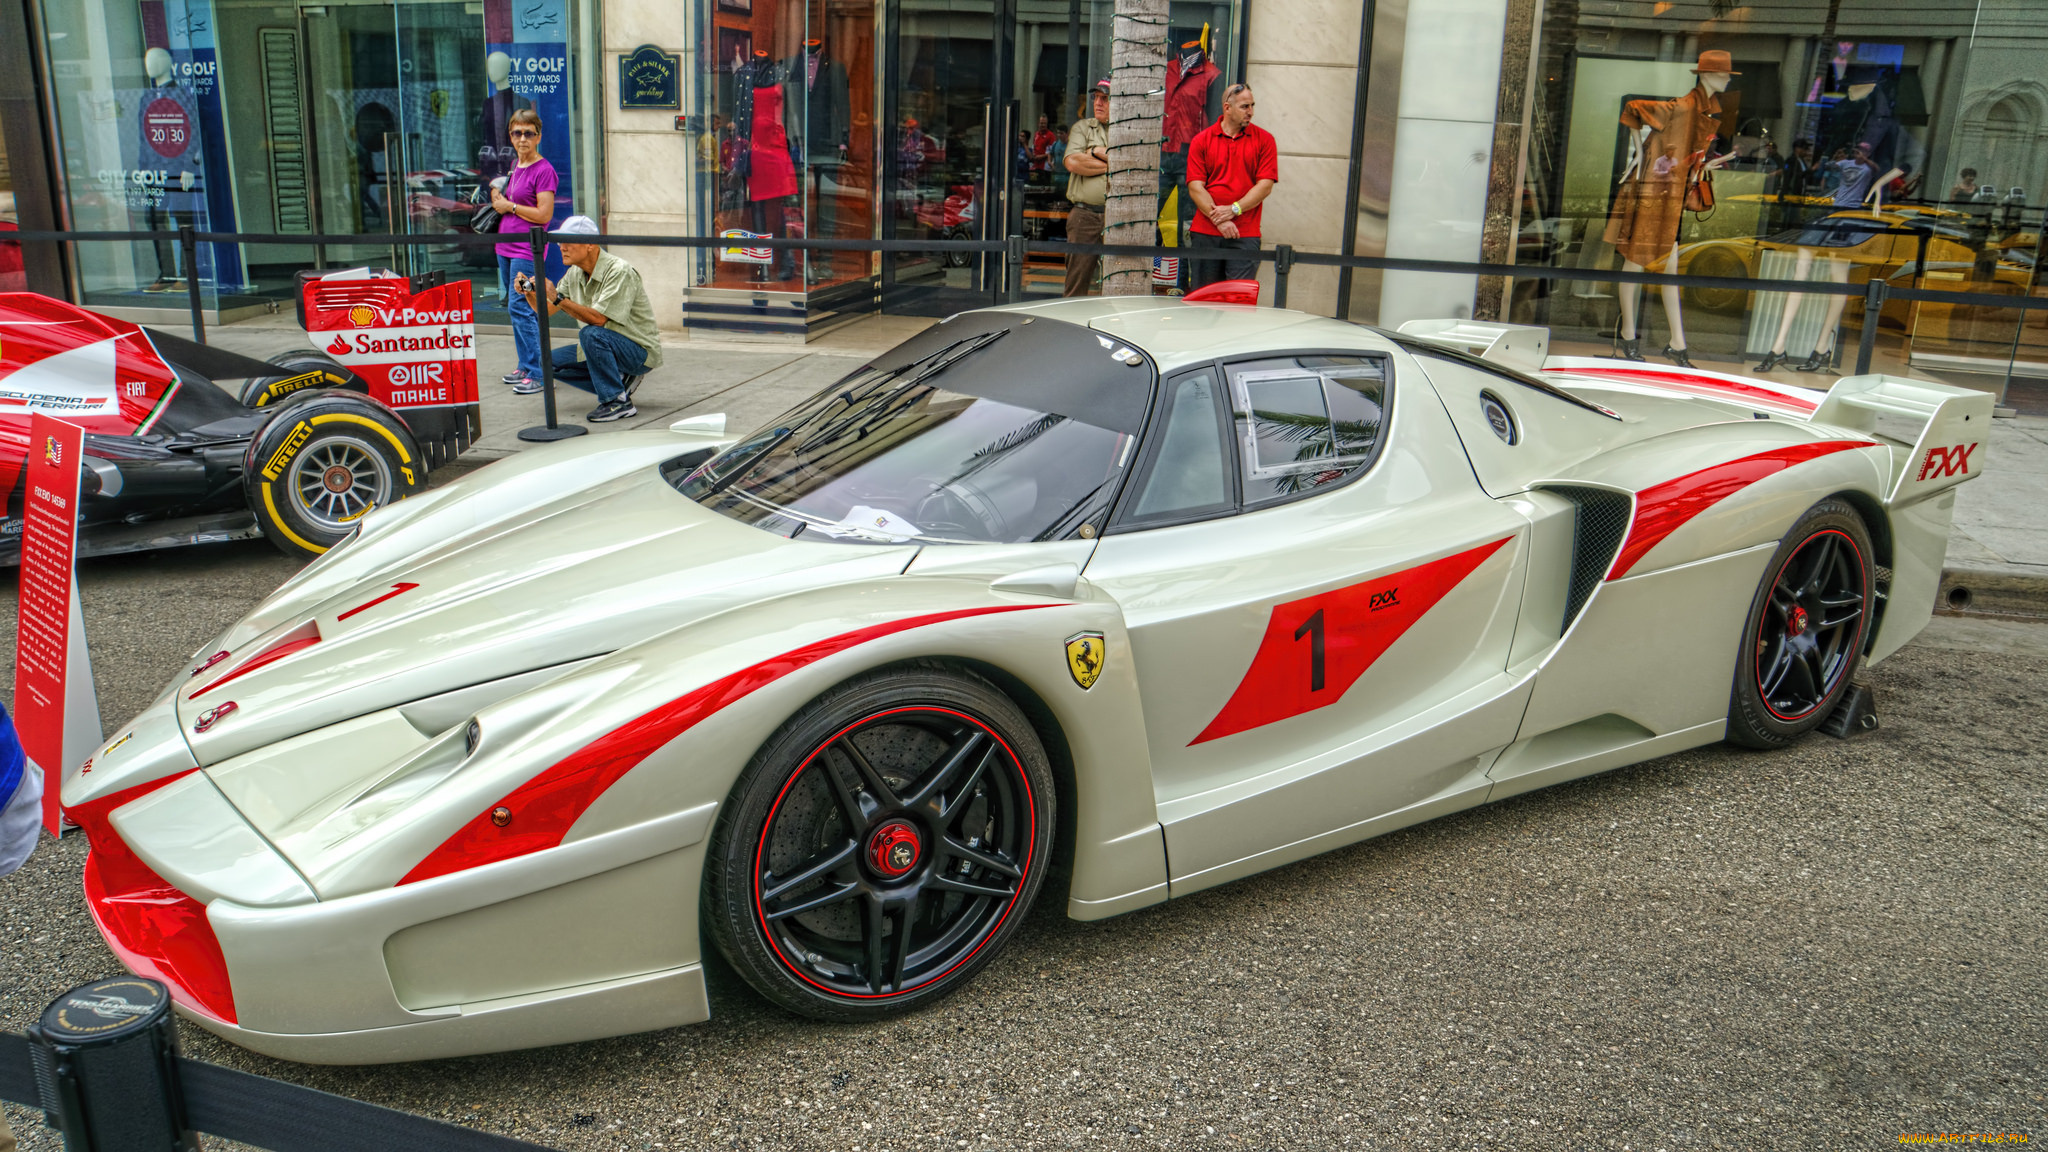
{"x":884,"y":407}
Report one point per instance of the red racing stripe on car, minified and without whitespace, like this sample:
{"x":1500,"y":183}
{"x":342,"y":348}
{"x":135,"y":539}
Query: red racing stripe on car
{"x":543,"y":809}
{"x":1662,"y":509}
{"x":1658,"y":378}
{"x":1317,"y":647}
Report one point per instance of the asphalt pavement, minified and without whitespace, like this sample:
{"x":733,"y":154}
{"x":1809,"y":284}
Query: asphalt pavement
{"x":1829,"y":947}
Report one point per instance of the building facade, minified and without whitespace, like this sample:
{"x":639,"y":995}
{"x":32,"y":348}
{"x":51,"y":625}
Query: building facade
{"x":1904,"y":141}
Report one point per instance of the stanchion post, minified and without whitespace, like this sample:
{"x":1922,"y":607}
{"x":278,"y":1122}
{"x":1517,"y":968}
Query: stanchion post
{"x":188,"y":244}
{"x":1013,"y":276}
{"x":537,"y":241}
{"x":1283,"y":262}
{"x":1874,"y":294}
{"x":106,"y":1068}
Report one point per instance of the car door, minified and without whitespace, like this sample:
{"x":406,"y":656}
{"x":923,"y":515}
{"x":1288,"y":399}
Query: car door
{"x":1320,"y":602}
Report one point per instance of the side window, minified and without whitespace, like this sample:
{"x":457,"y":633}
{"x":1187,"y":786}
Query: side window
{"x":1305,"y":422}
{"x":1188,"y":475}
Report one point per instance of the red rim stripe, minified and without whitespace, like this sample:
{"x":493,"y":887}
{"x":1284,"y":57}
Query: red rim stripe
{"x":1662,"y":509}
{"x":544,"y":808}
{"x":1023,"y":866}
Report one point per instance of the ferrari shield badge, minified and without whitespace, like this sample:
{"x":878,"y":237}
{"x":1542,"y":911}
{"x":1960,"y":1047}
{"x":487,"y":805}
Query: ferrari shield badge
{"x":1084,"y":658}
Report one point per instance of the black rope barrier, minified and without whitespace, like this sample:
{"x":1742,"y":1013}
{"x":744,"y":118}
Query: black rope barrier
{"x":271,"y":1114}
{"x":1014,"y":251}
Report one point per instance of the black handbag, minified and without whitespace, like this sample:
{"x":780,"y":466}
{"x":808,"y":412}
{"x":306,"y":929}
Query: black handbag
{"x":483,"y":219}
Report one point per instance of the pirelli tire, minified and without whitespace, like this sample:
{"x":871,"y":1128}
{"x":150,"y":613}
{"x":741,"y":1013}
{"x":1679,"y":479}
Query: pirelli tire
{"x":1808,"y":625}
{"x":324,"y":461}
{"x":299,"y":372}
{"x":883,"y":846}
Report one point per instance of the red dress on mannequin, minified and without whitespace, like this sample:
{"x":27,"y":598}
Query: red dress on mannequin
{"x":772,"y":173}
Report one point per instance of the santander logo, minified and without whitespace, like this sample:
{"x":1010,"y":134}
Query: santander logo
{"x":340,"y":346}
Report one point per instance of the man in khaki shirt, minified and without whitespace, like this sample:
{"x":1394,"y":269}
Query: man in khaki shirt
{"x":1087,"y":159}
{"x":618,"y":344}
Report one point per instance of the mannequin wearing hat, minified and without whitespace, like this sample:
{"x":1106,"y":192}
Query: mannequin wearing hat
{"x":1668,"y":145}
{"x":1866,"y":124}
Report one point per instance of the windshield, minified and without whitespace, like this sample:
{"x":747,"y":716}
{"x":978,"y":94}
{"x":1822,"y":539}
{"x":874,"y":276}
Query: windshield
{"x":894,"y":454}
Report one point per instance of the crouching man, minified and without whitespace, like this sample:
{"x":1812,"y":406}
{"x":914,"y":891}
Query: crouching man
{"x":617,"y":344}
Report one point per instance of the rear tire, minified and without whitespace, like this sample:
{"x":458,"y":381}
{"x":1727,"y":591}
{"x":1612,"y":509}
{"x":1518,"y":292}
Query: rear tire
{"x":882,"y":846}
{"x":297,"y":372}
{"x":321,"y":464}
{"x":1806,"y":629}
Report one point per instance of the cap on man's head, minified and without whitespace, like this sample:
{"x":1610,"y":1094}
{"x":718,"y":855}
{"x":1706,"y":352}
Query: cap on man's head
{"x":578,"y":226}
{"x":1102,"y":85}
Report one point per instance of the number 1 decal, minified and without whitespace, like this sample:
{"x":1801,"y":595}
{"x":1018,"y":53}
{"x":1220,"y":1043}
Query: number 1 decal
{"x":1313,"y":629}
{"x":1347,"y":629}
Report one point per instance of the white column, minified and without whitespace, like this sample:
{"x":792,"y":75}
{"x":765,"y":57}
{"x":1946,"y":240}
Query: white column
{"x":1443,"y":153}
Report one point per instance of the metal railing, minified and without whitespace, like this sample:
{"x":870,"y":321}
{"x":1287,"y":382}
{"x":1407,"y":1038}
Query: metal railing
{"x":1014,"y":250}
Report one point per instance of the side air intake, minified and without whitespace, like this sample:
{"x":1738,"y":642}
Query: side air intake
{"x":1599,"y":523}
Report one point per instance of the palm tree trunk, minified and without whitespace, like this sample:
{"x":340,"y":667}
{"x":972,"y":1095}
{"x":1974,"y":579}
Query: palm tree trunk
{"x":1137,"y":104}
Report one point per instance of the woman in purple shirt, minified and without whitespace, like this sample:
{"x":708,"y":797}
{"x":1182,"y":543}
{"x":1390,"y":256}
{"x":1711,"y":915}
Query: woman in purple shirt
{"x":528,"y":198}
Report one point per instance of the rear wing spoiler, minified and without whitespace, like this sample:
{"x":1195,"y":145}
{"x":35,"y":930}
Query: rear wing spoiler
{"x":1518,"y":346}
{"x":1947,"y":427}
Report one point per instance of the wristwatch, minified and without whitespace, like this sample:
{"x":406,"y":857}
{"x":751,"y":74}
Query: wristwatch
{"x":556,"y":302}
{"x":1236,"y":209}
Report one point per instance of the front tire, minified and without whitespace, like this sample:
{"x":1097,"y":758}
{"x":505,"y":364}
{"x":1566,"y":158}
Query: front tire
{"x":882,"y":846}
{"x":1806,"y":628}
{"x":320,"y":464}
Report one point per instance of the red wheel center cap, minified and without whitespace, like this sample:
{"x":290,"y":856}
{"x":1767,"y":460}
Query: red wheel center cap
{"x":338,"y":479}
{"x":894,"y":849}
{"x":1796,"y":624}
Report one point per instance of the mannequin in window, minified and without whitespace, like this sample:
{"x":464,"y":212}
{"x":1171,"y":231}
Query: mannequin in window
{"x":1190,"y":92}
{"x":172,"y":204}
{"x":1866,"y":125}
{"x":762,"y":166}
{"x":816,"y":104}
{"x":494,"y":156}
{"x":1669,"y":142}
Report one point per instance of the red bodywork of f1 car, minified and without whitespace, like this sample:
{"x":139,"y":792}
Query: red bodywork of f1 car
{"x":309,"y":442}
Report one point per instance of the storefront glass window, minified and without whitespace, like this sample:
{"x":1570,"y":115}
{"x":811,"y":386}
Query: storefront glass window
{"x":366,"y":119}
{"x":1840,"y":143}
{"x":784,"y":106}
{"x":914,"y":119}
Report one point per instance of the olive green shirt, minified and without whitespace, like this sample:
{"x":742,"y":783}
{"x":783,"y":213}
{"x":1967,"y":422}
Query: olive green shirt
{"x":613,"y":287}
{"x":1088,"y":133}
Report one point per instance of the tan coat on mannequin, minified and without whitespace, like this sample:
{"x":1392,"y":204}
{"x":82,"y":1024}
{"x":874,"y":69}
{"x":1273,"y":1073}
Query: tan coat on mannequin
{"x":1665,"y":137}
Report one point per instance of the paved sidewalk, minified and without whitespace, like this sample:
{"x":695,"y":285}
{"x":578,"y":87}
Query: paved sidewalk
{"x":1998,"y":551}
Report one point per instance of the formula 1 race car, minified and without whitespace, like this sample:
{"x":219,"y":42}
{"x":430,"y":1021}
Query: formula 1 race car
{"x":1144,"y":595}
{"x":311,"y":442}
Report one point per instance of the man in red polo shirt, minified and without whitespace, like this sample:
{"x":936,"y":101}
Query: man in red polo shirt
{"x":1232,"y":167}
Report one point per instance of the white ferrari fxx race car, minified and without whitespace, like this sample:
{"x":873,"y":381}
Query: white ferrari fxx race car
{"x":1107,"y":599}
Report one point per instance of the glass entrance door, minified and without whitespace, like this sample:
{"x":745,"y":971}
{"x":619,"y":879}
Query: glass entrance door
{"x":350,"y":56}
{"x":942,"y":112}
{"x":979,"y":102}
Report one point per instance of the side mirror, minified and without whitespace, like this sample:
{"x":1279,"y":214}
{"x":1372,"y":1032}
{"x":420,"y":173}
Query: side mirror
{"x":712,"y":425}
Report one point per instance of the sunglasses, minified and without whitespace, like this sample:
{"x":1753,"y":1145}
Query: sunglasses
{"x":525,"y":134}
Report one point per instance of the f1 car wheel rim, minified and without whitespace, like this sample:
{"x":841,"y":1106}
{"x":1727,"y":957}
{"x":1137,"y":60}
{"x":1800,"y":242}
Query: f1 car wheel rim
{"x":894,"y":852}
{"x":1811,"y":625}
{"x":335,"y":481}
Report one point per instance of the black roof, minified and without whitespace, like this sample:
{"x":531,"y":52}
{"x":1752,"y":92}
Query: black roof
{"x":1040,"y":363}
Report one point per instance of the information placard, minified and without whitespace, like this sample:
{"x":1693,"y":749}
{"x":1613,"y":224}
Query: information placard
{"x":43,"y":623}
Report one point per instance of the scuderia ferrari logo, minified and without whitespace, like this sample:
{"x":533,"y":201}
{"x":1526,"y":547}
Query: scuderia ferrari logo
{"x":1084,"y":658}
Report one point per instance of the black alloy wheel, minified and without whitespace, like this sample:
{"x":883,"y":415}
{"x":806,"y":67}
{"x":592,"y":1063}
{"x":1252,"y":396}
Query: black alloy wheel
{"x":883,"y":845}
{"x":1806,"y":629}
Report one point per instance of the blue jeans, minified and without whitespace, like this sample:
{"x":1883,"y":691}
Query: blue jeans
{"x":525,"y":325}
{"x":599,"y":362}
